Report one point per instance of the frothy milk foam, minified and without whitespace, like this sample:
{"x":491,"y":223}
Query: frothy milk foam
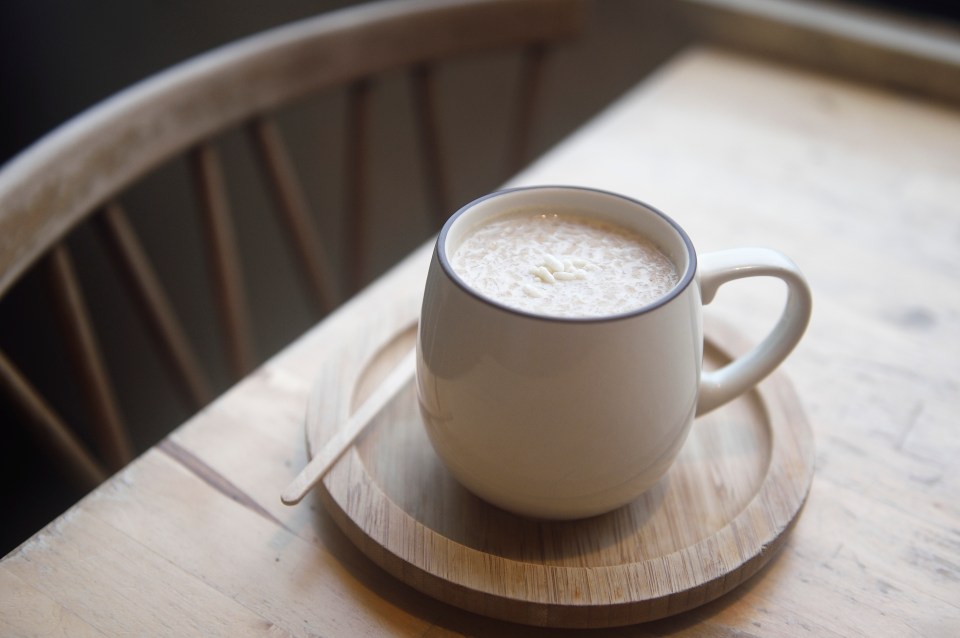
{"x":562,"y":264}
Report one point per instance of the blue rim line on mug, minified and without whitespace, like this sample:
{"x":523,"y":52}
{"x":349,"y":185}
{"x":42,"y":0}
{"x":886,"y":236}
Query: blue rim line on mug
{"x":674,"y":292}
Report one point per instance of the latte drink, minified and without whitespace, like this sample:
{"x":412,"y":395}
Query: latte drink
{"x":560,"y":346}
{"x":562,"y":264}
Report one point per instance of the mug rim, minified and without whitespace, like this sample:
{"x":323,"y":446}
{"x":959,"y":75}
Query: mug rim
{"x":685,"y":279}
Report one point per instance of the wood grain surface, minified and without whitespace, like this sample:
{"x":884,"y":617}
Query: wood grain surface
{"x":859,"y":186}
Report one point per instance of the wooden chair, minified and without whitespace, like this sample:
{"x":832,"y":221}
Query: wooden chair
{"x":78,"y":173}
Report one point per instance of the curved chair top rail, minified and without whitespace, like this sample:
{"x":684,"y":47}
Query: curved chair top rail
{"x":53,"y":185}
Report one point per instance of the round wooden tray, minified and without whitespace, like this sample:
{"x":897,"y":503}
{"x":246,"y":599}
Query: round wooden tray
{"x":721,"y":512}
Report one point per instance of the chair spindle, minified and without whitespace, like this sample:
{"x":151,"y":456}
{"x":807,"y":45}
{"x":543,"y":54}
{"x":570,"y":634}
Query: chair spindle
{"x":426,"y":109}
{"x":294,"y":213}
{"x":224,"y":258}
{"x":110,"y":435}
{"x":355,"y":166}
{"x":531,"y":85}
{"x":50,"y":429}
{"x":154,"y":304}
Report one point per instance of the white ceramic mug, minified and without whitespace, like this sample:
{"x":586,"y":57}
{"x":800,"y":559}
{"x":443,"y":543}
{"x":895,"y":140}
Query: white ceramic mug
{"x":567,"y":418}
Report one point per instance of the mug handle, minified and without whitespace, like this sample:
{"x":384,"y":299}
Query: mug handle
{"x":717,"y":268}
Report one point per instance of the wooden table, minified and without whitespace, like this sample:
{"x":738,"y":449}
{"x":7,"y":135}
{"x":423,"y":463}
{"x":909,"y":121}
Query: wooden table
{"x":860,"y":187}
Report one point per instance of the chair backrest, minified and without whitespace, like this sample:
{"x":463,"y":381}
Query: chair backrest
{"x":79,"y":171}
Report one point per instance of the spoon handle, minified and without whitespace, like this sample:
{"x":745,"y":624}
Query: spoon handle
{"x":341,"y":441}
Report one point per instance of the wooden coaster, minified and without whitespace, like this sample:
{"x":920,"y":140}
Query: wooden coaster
{"x":720,"y":513}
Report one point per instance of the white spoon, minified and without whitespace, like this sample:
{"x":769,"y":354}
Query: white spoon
{"x":341,"y":441}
